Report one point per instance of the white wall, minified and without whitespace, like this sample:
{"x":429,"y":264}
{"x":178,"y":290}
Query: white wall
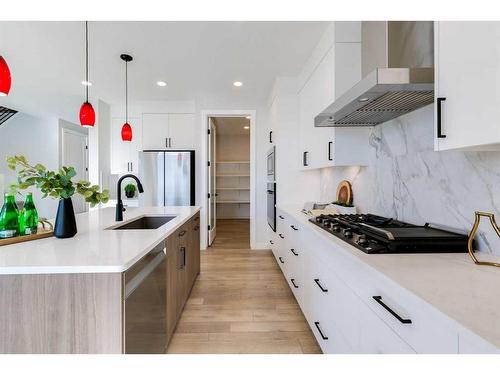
{"x":37,"y":139}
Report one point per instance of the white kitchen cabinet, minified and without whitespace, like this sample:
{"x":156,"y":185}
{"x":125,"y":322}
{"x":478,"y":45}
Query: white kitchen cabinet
{"x":336,"y":72}
{"x":181,"y":131}
{"x":125,"y":155}
{"x":168,"y":131}
{"x":467,"y":77}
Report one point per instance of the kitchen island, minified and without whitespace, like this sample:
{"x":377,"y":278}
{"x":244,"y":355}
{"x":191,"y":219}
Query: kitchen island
{"x":102,"y":291}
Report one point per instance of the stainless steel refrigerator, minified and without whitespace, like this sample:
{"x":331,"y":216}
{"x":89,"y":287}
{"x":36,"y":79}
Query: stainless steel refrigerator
{"x":167,"y":177}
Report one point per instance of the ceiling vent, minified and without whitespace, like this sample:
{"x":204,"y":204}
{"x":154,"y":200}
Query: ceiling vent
{"x":5,"y":114}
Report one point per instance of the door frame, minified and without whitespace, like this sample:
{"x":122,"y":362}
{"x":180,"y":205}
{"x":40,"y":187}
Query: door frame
{"x":205,"y":114}
{"x":212,"y":140}
{"x":68,"y":127}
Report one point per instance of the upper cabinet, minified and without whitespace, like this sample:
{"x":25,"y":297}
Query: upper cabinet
{"x":467,"y":81}
{"x":168,"y":131}
{"x":334,"y":67}
{"x":125,"y":155}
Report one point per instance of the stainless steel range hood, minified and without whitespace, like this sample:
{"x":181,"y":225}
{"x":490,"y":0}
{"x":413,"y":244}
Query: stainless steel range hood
{"x":402,"y":83}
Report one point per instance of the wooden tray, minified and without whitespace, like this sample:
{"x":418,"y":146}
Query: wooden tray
{"x":41,"y":233}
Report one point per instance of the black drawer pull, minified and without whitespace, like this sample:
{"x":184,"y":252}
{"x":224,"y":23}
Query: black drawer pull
{"x":439,"y":120}
{"x":281,"y":260}
{"x":304,"y":159}
{"x":281,"y":217}
{"x":393,"y":313}
{"x":294,"y":253}
{"x":330,"y":151}
{"x":281,"y":236}
{"x":320,"y":332}
{"x":320,"y":286}
{"x":293,"y":227}
{"x":182,"y":233}
{"x":293,"y":283}
{"x":271,"y":136}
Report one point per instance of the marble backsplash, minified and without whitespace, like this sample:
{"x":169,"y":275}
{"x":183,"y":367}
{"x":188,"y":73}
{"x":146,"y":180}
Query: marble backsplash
{"x":408,"y":180}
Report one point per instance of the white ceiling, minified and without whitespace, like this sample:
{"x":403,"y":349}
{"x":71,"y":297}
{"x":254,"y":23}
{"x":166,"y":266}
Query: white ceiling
{"x":231,"y":125}
{"x":196,"y":59}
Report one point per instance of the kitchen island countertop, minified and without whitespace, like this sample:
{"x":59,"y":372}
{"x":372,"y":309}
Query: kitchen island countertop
{"x":95,"y":248}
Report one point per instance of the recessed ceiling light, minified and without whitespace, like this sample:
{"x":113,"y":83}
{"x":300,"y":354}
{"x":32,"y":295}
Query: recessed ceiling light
{"x":86,"y":83}
{"x":363,"y":99}
{"x":246,"y":127}
{"x":248,"y":117}
{"x":161,"y":83}
{"x":237,"y":83}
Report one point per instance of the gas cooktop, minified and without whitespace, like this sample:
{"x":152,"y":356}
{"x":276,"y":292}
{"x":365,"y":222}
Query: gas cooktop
{"x":377,"y":235}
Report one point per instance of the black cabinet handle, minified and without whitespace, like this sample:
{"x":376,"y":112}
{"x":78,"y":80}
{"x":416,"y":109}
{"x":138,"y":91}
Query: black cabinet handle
{"x":281,"y":260}
{"x":320,"y":332}
{"x":293,"y":227}
{"x":330,"y":151}
{"x":294,"y":253}
{"x":304,"y":159}
{"x":182,"y":233}
{"x":281,"y":217}
{"x":320,"y":286}
{"x":281,"y":236}
{"x":439,"y":120}
{"x":271,"y":242}
{"x":271,"y":136}
{"x":391,"y":311}
{"x":293,"y":283}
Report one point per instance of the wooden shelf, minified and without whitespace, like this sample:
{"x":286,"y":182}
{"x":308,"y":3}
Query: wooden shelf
{"x":233,"y":188}
{"x":234,"y":162}
{"x":233,"y":175}
{"x":231,"y":202}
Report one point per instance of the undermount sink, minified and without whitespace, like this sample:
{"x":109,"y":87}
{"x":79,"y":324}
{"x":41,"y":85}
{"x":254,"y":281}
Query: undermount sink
{"x":145,"y":222}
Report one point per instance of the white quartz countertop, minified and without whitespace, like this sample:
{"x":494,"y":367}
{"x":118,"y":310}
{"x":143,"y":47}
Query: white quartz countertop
{"x":94,"y":248}
{"x":452,"y":283}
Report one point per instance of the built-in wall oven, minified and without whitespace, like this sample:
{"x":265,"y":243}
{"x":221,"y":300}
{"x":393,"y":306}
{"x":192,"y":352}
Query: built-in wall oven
{"x":271,"y":205}
{"x":145,"y":306}
{"x":271,"y":164}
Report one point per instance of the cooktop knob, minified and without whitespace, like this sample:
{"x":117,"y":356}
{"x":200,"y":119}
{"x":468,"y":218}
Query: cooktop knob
{"x":336,"y":227}
{"x":327,"y":223}
{"x":319,"y":219}
{"x":347,"y":233}
{"x":363,"y":241}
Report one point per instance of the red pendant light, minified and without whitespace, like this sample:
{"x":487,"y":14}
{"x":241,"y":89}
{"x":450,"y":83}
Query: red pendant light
{"x":126,"y":132}
{"x":126,"y":128}
{"x":5,"y":80}
{"x":87,"y":113}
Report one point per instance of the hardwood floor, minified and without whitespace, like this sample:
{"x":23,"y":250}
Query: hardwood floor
{"x":240,"y":302}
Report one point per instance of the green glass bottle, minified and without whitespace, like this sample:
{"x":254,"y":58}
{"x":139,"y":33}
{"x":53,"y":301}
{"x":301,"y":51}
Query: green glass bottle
{"x":9,"y":218}
{"x":28,"y":220}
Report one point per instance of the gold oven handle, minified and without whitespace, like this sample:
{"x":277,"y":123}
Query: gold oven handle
{"x":472,"y":233}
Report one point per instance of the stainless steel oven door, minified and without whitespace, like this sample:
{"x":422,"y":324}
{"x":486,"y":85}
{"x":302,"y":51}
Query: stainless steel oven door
{"x":271,"y":164}
{"x":271,"y":205}
{"x":145,"y":323}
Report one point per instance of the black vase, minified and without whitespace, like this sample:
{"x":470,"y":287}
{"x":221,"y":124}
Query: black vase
{"x":65,"y":226}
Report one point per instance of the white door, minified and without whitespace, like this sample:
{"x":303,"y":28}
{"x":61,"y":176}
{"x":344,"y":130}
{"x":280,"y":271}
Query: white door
{"x":181,"y":131}
{"x":74,"y":154}
{"x":155,"y":129}
{"x":212,"y":190}
{"x":467,"y":57}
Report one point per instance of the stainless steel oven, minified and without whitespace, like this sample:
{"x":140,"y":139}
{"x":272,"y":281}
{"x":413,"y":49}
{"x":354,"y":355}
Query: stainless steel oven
{"x":271,"y":164}
{"x":271,"y":205}
{"x":145,"y":323}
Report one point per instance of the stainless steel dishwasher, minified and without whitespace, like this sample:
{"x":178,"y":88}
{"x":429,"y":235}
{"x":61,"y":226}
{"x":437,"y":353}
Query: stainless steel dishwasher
{"x":145,"y":324}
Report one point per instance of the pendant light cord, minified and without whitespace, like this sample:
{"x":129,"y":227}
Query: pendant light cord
{"x":87,"y":60}
{"x":126,"y":92}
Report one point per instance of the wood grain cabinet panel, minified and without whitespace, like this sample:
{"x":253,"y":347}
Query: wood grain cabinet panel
{"x":61,"y":313}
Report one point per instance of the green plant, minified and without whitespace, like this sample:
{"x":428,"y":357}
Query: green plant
{"x":343,"y":204}
{"x":53,"y":184}
{"x":130,"y":188}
